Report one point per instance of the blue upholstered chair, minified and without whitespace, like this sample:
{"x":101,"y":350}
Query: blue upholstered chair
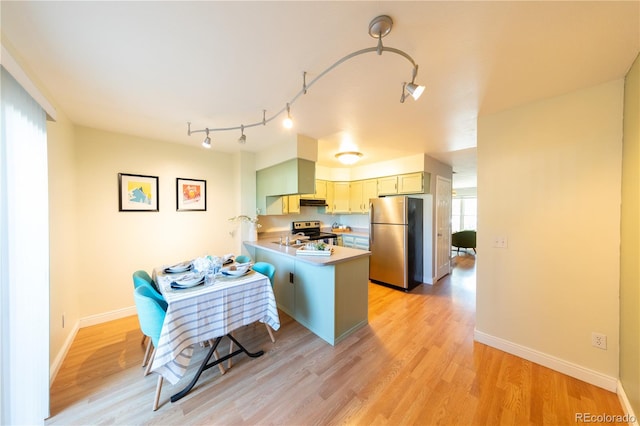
{"x":243,"y":259}
{"x":142,"y":278}
{"x":151,"y":317}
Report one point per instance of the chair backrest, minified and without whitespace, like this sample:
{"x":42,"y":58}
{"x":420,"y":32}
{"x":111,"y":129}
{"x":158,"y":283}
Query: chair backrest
{"x":243,"y":259}
{"x":265,"y":269}
{"x":141,"y":278}
{"x":150,"y":313}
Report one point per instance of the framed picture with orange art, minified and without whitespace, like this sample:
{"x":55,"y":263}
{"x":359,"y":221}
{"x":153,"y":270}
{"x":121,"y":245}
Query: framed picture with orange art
{"x":191,"y":195}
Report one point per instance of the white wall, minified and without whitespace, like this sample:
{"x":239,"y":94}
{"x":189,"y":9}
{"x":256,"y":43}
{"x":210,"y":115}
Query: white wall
{"x":549,"y":181}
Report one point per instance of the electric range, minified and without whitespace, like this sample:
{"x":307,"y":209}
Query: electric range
{"x":312,"y":230}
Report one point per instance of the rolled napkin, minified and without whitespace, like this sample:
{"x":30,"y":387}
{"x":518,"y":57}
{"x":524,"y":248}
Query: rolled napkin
{"x":202,"y":264}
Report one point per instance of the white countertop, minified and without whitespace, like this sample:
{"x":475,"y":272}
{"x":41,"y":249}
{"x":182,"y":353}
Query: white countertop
{"x":339,"y":255}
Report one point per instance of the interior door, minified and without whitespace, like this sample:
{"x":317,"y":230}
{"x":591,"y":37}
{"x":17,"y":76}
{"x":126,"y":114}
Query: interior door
{"x":443,"y":226}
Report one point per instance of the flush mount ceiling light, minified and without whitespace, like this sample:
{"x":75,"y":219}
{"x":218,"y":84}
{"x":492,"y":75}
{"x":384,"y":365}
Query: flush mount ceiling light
{"x":348,"y":157}
{"x":379,"y":27}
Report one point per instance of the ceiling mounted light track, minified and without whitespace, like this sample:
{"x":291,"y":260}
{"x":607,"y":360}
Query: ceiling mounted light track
{"x":379,"y":27}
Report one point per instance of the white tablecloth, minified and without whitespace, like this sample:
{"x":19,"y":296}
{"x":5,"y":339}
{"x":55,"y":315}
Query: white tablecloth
{"x":201,"y":313}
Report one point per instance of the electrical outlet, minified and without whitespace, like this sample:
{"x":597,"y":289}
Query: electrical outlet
{"x":500,"y":242}
{"x":599,"y":340}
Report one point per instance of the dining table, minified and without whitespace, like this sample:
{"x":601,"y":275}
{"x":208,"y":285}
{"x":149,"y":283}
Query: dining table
{"x":206,"y":313}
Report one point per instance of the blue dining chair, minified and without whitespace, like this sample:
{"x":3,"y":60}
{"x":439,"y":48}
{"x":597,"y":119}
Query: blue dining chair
{"x":151,"y":317}
{"x":243,"y":259}
{"x":269,"y":270}
{"x":142,"y":278}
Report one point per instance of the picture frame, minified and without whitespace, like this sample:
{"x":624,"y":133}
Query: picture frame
{"x":191,"y":195}
{"x":138,"y":193}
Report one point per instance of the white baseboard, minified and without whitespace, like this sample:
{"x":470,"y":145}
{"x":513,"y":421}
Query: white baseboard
{"x":107,"y":316}
{"x":85,"y":322}
{"x":626,"y":405}
{"x":570,"y":369}
{"x":57,"y":362}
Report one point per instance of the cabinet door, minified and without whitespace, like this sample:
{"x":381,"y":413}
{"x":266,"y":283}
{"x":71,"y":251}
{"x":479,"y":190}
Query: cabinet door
{"x":341,"y":197}
{"x":348,"y":241}
{"x":388,"y":185}
{"x":361,"y":243}
{"x":412,"y":183}
{"x":330,"y":197}
{"x":277,"y":204}
{"x":355,"y":196}
{"x":294,"y":204}
{"x":321,"y":190}
{"x":369,"y":190}
{"x":283,"y":286}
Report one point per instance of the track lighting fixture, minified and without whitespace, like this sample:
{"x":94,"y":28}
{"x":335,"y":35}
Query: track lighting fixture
{"x":288,"y":122}
{"x":379,"y":27}
{"x":242,"y":139}
{"x":207,"y":141}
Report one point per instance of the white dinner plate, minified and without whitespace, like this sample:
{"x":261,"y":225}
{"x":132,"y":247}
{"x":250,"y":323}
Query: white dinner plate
{"x":180,"y":267}
{"x":188,"y":281}
{"x":236,"y":273}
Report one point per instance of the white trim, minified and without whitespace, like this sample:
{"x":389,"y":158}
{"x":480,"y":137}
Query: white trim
{"x":12,"y":66}
{"x":57,"y":362}
{"x":626,"y":405}
{"x":107,"y":316}
{"x":574,"y":370}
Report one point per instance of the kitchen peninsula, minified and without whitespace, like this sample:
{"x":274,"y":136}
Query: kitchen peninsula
{"x":326,"y":294}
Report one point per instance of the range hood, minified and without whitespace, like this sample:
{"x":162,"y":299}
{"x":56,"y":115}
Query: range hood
{"x":313,"y":202}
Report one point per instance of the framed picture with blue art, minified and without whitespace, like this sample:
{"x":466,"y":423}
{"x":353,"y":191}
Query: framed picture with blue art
{"x":191,"y":195}
{"x":137,"y":193}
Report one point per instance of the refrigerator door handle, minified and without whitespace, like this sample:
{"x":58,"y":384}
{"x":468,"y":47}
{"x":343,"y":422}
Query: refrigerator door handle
{"x":370,"y":223}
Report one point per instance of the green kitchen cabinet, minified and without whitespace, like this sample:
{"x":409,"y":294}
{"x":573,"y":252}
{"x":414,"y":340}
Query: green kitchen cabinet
{"x":295,"y":176}
{"x":283,"y":284}
{"x":330,"y":300}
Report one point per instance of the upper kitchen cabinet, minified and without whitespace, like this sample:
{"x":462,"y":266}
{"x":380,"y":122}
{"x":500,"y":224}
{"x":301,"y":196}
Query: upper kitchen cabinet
{"x":388,"y":185}
{"x":413,"y":183}
{"x":340,"y":197}
{"x":295,"y":176}
{"x":410,"y":183}
{"x":320,"y":191}
{"x":360,"y":192}
{"x":283,"y":204}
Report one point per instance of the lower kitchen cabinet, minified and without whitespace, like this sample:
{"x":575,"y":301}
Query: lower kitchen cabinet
{"x":355,"y":241}
{"x":329,"y":300}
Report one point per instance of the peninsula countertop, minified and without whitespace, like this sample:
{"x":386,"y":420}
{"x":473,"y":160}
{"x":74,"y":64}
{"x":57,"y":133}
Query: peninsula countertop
{"x":340,"y":254}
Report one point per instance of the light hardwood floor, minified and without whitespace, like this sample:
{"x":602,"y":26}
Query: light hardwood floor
{"x":415,"y":363}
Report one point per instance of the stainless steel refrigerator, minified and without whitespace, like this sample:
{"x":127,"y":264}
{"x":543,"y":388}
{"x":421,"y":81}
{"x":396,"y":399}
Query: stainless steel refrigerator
{"x":395,"y":241}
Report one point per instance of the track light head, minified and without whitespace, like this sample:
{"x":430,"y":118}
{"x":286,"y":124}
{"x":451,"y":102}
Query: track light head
{"x":415,"y":90}
{"x":288,"y":122}
{"x":242,"y":139}
{"x":207,"y":141}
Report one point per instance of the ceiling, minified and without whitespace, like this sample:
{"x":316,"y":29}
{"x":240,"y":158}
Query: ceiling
{"x":148,"y":68}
